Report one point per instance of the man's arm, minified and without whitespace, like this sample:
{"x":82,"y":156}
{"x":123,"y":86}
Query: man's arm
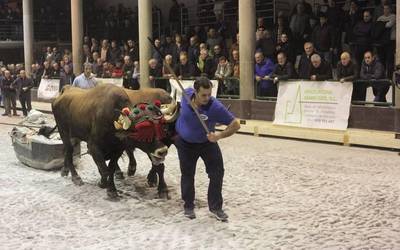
{"x":232,"y":128}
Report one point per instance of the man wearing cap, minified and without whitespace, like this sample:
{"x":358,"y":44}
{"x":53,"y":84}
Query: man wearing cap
{"x":194,"y":142}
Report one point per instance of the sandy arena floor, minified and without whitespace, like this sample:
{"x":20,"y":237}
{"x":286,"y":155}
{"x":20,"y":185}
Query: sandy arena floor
{"x":279,"y":194}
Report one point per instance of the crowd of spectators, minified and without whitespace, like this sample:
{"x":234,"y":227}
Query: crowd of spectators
{"x":345,"y":43}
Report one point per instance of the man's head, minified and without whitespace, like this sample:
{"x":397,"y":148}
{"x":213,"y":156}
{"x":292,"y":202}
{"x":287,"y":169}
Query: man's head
{"x":48,"y":49}
{"x":235,"y":55}
{"x":203,"y":54}
{"x":367,"y":16}
{"x":7,"y":74}
{"x":153,"y":63}
{"x":104,"y":43}
{"x":67,"y":69}
{"x":178,"y":38}
{"x":66,"y":59}
{"x":55,"y":66}
{"x":300,"y":8}
{"x":157,"y":43}
{"x":316,"y":60}
{"x":284,"y":38}
{"x":369,"y":57}
{"x":222,"y":60}
{"x":193,"y":40}
{"x":281,"y":58}
{"x":168,"y":59}
{"x":217,"y":49}
{"x":212,"y":33}
{"x":95,"y":56}
{"x":127,"y":59}
{"x":345,"y":58}
{"x":308,"y":48}
{"x":113,"y":44}
{"x":387,"y":9}
{"x":22,"y":73}
{"x":87,"y":69}
{"x":130,"y":43}
{"x":55,"y":50}
{"x":202,"y":46}
{"x":168,"y":39}
{"x":203,"y":88}
{"x":259,"y":57}
{"x":332,"y":3}
{"x":260,"y":21}
{"x":183,"y":58}
{"x":323,"y":19}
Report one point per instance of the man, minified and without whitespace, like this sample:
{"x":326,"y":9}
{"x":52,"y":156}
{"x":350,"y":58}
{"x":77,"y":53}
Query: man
{"x":205,"y":64}
{"x":372,"y":69}
{"x":24,"y":86}
{"x":263,"y":68}
{"x":305,"y":60}
{"x":224,"y":70}
{"x":85,"y":80}
{"x":67,"y":77}
{"x":362,"y":36}
{"x":323,"y":38}
{"x":185,"y":69}
{"x":193,"y":50}
{"x":155,"y":71}
{"x":320,"y":70}
{"x":9,"y":91}
{"x":193,"y":142}
{"x":284,"y":70}
{"x":346,"y":69}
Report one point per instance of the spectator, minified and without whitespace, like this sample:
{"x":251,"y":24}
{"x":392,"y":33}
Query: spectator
{"x":346,"y":69}
{"x":260,"y":24}
{"x":136,"y":76}
{"x":300,"y":25}
{"x":286,"y":47}
{"x":372,"y":69}
{"x":305,"y":61}
{"x":386,"y":51}
{"x":235,"y":46}
{"x":281,"y":27}
{"x":97,"y":68}
{"x":56,"y":55}
{"x":351,"y":18}
{"x":217,"y":53}
{"x":85,"y":80}
{"x":213,"y":39}
{"x":117,"y":71}
{"x":206,"y":64}
{"x":35,"y":74}
{"x":284,"y":69}
{"x":95,"y":46}
{"x":67,"y":61}
{"x":185,"y":69}
{"x":115,"y":52}
{"x":56,"y":72}
{"x":127,"y":69}
{"x":107,"y":70}
{"x":155,"y":71}
{"x":9,"y":92}
{"x":24,"y":85}
{"x":235,"y":63}
{"x":67,"y":77}
{"x":323,"y":37}
{"x":266,"y":44}
{"x":223,"y":71}
{"x":379,"y":10}
{"x":47,"y":70}
{"x":165,"y":71}
{"x":362,"y":36}
{"x":193,"y":50}
{"x":178,"y":47}
{"x":156,"y":54}
{"x":168,"y":48}
{"x":319,"y":70}
{"x":105,"y":53}
{"x":263,"y":68}
{"x":87,"y":56}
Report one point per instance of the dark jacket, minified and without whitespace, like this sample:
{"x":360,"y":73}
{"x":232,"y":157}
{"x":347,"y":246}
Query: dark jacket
{"x":284,"y":72}
{"x":348,"y":73}
{"x":373,"y":71}
{"x":66,"y":79}
{"x":304,"y":66}
{"x":187,"y":70}
{"x":323,"y":37}
{"x":209,"y":68}
{"x":21,"y":83}
{"x":362,"y":33}
{"x":7,"y":86}
{"x":115,"y":55}
{"x":323,"y":72}
{"x":266,"y":46}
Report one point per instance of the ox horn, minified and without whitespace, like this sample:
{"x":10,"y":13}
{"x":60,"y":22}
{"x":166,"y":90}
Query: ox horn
{"x":170,"y":111}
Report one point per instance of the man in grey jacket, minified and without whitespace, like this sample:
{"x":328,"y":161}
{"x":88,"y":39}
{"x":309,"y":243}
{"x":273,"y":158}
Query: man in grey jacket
{"x":372,"y":69}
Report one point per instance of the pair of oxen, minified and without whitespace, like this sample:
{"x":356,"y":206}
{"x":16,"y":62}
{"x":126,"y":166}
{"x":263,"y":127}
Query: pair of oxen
{"x":113,"y":120}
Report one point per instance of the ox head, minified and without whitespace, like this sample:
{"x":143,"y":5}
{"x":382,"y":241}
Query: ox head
{"x":146,"y":126}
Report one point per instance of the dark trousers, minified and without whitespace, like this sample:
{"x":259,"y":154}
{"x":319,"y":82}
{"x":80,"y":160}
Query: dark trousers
{"x":10,"y":101}
{"x":188,"y":154}
{"x":359,"y":91}
{"x":380,"y":91}
{"x":25,"y":100}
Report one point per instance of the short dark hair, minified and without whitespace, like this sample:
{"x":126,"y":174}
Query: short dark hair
{"x":202,"y":82}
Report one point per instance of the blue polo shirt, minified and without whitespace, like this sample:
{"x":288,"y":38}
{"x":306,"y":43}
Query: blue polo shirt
{"x":188,"y":125}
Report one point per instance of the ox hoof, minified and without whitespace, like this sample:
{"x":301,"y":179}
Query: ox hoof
{"x":119,"y":175}
{"x":131,"y":171}
{"x":77,"y":180}
{"x":152,"y":180}
{"x":164,"y":195}
{"x":64,"y":172}
{"x":112,"y":195}
{"x":102,"y":184}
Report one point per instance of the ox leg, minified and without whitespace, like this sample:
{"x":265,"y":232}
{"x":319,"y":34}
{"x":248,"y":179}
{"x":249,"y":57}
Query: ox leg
{"x":152,"y":176}
{"x":68,"y":162}
{"x":118,"y":172}
{"x":132,"y":162}
{"x":111,"y":189}
{"x":162,"y":186}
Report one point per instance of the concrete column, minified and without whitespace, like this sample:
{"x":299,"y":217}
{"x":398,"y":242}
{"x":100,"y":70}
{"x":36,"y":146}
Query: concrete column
{"x":27,"y":13}
{"x":397,"y":59}
{"x":247,"y":16}
{"x":145,"y":30}
{"x":77,"y":35}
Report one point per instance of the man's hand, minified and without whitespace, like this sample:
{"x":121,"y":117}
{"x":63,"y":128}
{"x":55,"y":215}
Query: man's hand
{"x":214,"y":137}
{"x":258,"y":78}
{"x":25,"y":89}
{"x":342,"y":80}
{"x":314,"y":77}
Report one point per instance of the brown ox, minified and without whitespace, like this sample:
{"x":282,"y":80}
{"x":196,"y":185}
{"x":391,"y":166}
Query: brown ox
{"x":88,"y":115}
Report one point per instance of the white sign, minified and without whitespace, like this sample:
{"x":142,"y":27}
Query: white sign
{"x":116,"y":81}
{"x":48,"y":89}
{"x":309,"y":104}
{"x":177,"y":93}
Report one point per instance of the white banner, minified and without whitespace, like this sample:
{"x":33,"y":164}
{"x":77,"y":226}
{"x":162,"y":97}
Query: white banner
{"x":116,"y":81}
{"x":48,"y":89}
{"x":309,"y":104}
{"x":177,"y":93}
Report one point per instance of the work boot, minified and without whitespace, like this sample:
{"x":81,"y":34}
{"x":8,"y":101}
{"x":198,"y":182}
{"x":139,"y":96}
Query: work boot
{"x":219,"y":214}
{"x":189,"y":213}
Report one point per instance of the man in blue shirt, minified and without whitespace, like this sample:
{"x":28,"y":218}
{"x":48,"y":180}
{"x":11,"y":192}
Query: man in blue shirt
{"x":194,"y":143}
